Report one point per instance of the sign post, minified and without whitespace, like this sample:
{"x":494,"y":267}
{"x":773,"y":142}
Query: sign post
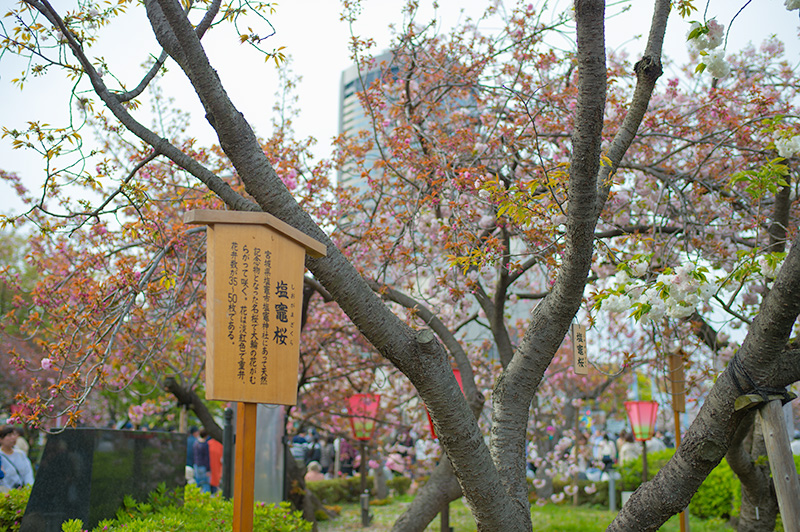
{"x":677,"y":378}
{"x":254,"y":278}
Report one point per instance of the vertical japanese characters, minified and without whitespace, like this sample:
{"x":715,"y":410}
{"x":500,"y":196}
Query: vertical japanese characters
{"x":260,"y":311}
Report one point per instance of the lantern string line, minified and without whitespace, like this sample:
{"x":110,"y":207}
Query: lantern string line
{"x":736,"y":366}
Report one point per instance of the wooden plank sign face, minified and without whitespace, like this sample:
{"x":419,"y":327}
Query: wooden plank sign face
{"x":254,"y":276}
{"x":580,"y":363}
{"x":255,"y":282}
{"x":677,"y":380}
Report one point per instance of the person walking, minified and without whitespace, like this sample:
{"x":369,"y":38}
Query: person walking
{"x":202,"y":462}
{"x":215,"y":464}
{"x":328,"y":455}
{"x":16,"y":467}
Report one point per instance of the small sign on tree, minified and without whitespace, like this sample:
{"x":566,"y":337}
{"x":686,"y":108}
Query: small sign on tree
{"x":580,"y":358}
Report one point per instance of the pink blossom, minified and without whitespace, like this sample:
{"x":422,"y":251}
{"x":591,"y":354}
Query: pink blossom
{"x":47,"y":363}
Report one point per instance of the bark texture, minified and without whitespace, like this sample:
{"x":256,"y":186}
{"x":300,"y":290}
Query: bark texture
{"x":442,"y":488}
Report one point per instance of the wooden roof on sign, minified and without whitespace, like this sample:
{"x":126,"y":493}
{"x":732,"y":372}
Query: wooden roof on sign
{"x":313,"y":247}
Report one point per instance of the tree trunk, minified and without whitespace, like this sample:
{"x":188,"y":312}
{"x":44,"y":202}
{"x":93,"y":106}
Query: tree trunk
{"x":759,"y":508}
{"x":298,"y":495}
{"x":442,"y":488}
{"x":185,"y":396}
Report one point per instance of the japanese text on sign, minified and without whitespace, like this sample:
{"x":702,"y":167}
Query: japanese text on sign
{"x":580,"y":358}
{"x":260,"y":311}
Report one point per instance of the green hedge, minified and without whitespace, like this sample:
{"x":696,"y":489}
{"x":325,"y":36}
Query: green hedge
{"x":719,"y":496}
{"x":348,"y":489}
{"x":200,"y":512}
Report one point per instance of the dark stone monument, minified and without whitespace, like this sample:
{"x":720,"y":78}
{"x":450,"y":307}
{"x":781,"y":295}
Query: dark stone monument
{"x":86,"y":473}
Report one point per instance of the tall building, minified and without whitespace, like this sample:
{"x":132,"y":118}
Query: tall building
{"x":354,"y":119}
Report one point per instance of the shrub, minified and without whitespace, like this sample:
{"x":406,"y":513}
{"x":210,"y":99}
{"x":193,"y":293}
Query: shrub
{"x":598,"y":497}
{"x":202,"y":512}
{"x":719,"y":495}
{"x":338,"y":490}
{"x":348,"y":489}
{"x":399,"y":484}
{"x":12,"y":508}
{"x":631,"y":471}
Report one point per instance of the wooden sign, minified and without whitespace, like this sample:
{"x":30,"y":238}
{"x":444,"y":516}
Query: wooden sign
{"x":580,"y":360}
{"x":254,"y":271}
{"x":677,"y":379}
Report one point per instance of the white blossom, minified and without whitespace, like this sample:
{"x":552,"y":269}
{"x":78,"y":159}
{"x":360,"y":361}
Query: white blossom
{"x":788,"y":147}
{"x":677,"y":311}
{"x":716,"y":64}
{"x":766,"y":268}
{"x":621,"y":278}
{"x":617,"y":303}
{"x":639,"y":268}
{"x":707,"y":41}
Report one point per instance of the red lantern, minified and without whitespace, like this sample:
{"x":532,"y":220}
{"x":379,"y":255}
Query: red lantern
{"x":642,"y":415}
{"x":363,"y":410}
{"x":457,"y":375}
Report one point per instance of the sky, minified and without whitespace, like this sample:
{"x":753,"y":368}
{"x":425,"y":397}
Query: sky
{"x":316,"y":41}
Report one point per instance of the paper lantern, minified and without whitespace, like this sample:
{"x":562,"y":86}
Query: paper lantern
{"x":642,"y":415}
{"x":363,"y":410}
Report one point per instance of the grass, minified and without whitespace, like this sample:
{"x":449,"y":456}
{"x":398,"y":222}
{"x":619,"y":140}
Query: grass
{"x":549,"y":518}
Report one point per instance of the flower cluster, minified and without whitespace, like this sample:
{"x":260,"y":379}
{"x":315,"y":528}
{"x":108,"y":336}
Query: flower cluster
{"x":674,"y":293}
{"x":705,"y":39}
{"x":787,"y":146}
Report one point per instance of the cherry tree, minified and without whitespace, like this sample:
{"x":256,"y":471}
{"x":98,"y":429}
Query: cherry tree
{"x":543,"y":164}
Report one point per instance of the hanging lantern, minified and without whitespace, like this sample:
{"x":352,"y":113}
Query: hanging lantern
{"x":457,"y":375}
{"x":642,"y":415}
{"x":363,"y":410}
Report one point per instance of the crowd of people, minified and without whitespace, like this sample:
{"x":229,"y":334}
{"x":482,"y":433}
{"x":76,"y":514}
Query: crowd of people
{"x":325,"y":456}
{"x":596,"y":454}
